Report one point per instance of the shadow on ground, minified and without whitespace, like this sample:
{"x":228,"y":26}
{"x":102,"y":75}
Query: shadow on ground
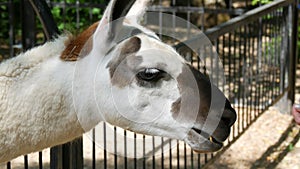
{"x":275,"y":153}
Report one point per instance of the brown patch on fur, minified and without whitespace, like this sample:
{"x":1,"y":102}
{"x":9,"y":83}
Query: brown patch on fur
{"x":176,"y":108}
{"x":120,"y":68}
{"x":132,"y":46}
{"x":190,"y":85}
{"x":76,"y":45}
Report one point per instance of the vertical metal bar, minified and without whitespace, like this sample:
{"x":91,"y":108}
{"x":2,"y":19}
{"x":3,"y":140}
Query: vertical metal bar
{"x":234,"y":127}
{"x":25,"y":162}
{"x":240,"y":106}
{"x":219,"y":82}
{"x":67,"y":151}
{"x":184,"y":153}
{"x":153,"y":152}
{"x":271,"y":58}
{"x":202,"y":22}
{"x":160,"y":21}
{"x":28,"y":25}
{"x":162,"y":153}
{"x":268,"y":61}
{"x":223,"y":55}
{"x":255,"y":74}
{"x":205,"y":158}
{"x":56,"y":160}
{"x":8,"y":165}
{"x":135,"y":152}
{"x":259,"y":60}
{"x":263,"y":64}
{"x":77,"y":154}
{"x":174,"y":23}
{"x":199,"y":161}
{"x":275,"y":54}
{"x":250,"y":57}
{"x":277,"y":48}
{"x":104,"y":146}
{"x":230,"y":70}
{"x":248,"y":73}
{"x":64,"y":13}
{"x":283,"y":51}
{"x":115,"y":148}
{"x":192,"y":159}
{"x":178,"y":155}
{"x":125,"y":149}
{"x":293,"y":51}
{"x":189,"y":20}
{"x":94,"y":149}
{"x":91,"y":12}
{"x":244,"y":78}
{"x":252,"y":82}
{"x":281,"y":48}
{"x":11,"y":28}
{"x":40,"y":160}
{"x":144,"y":152}
{"x":170,"y":154}
{"x":77,"y":14}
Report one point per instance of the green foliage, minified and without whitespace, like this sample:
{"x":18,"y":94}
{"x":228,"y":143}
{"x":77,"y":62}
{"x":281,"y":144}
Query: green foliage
{"x":257,"y":2}
{"x":70,"y":18}
{"x":75,"y":20}
{"x":290,"y":147}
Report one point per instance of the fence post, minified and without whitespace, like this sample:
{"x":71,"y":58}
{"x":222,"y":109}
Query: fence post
{"x":293,"y":52}
{"x":67,"y":156}
{"x":28,"y":25}
{"x":11,"y":27}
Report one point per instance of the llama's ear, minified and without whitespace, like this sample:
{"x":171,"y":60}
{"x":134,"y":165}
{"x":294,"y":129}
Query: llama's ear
{"x":137,"y":11}
{"x":112,"y":21}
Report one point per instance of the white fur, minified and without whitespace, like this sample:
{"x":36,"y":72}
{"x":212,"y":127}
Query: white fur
{"x":35,"y":107}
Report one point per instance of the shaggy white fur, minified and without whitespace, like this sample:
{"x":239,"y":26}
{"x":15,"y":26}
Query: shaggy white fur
{"x":33,"y":94}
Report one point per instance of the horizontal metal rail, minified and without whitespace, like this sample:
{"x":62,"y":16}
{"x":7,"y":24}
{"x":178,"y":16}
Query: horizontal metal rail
{"x":186,"y":9}
{"x":217,"y":31}
{"x":77,"y":5}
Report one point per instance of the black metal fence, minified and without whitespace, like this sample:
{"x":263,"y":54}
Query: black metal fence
{"x":258,"y":52}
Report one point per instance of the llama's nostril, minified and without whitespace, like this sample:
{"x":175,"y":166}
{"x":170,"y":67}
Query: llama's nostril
{"x":229,"y":114}
{"x":228,"y":118}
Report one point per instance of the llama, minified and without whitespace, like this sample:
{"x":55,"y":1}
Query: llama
{"x":54,"y":93}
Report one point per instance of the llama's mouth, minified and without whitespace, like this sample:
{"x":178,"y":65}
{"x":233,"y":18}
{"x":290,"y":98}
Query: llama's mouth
{"x":202,"y":142}
{"x":207,"y":136}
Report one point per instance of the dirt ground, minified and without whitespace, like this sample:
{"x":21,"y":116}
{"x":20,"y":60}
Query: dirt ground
{"x":271,"y":142}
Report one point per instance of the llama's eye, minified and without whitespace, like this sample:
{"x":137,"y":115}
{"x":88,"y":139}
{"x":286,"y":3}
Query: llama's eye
{"x":150,"y":74}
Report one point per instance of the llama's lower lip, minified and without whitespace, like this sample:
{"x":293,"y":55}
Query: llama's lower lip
{"x":202,"y":142}
{"x":209,"y":137}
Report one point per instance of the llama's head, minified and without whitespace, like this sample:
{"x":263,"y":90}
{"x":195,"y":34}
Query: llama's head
{"x":141,"y":84}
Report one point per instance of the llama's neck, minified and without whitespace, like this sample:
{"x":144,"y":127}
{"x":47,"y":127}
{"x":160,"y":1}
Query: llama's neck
{"x":36,"y":105}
